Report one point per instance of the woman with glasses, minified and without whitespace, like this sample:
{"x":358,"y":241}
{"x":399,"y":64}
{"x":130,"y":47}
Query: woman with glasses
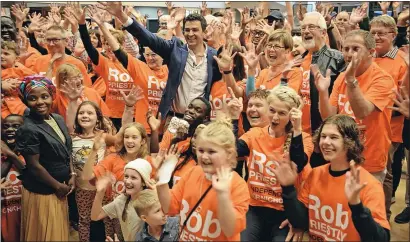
{"x":280,"y":70}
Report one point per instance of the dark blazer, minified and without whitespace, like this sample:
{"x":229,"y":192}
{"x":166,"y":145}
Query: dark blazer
{"x":175,"y":55}
{"x":34,"y":137}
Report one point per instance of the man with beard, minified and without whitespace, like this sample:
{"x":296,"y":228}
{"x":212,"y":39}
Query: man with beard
{"x":198,"y":112}
{"x":10,"y":167}
{"x":8,"y":29}
{"x":314,"y":29}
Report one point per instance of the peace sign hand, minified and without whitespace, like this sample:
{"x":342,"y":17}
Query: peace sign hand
{"x":225,"y":61}
{"x":235,"y":105}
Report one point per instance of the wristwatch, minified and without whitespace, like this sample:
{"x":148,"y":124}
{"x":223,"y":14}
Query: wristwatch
{"x":352,"y":84}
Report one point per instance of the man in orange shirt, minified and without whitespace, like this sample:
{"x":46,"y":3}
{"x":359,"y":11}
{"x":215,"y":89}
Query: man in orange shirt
{"x":56,"y":43}
{"x":384,"y":30}
{"x":363,"y":91}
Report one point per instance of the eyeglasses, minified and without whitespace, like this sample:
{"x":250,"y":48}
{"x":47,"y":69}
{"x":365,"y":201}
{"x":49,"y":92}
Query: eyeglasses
{"x":276,"y":47}
{"x":55,"y":40}
{"x":258,"y":33}
{"x":380,"y":34}
{"x":309,"y":27}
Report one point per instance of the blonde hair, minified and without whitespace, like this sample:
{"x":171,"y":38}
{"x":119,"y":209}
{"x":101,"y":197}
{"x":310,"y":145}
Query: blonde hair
{"x":143,"y":151}
{"x":118,"y":35}
{"x":385,"y":21}
{"x":66,"y":71}
{"x":292,"y":100}
{"x":8,"y":45}
{"x":282,"y":36}
{"x":58,"y":28}
{"x":220,"y":132}
{"x":145,"y":201}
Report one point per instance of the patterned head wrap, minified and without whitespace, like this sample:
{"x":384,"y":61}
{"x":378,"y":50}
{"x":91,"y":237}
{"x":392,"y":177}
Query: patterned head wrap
{"x":31,"y":82}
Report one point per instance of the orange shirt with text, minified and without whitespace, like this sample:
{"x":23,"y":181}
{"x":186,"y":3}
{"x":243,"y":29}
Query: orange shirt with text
{"x":167,"y":139}
{"x":305,"y":93}
{"x":204,"y":225}
{"x":264,"y":151}
{"x":330,"y":217}
{"x":152,"y":83}
{"x":397,"y":69}
{"x":184,"y":170}
{"x":116,"y":79}
{"x":377,"y":87}
{"x":42,"y":63}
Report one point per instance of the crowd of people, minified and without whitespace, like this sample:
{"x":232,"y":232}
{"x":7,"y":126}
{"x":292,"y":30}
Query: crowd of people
{"x":266,"y":127}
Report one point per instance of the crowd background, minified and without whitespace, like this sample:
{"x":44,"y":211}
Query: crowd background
{"x":204,"y":121}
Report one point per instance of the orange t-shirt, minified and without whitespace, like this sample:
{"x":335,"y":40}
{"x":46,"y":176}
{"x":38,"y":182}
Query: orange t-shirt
{"x":11,"y":206}
{"x":218,"y":96}
{"x":305,"y":93}
{"x":264,"y":151}
{"x":330,"y":217}
{"x":42,"y":62}
{"x":117,"y":79}
{"x":114,"y":164}
{"x":397,"y":69}
{"x":265,"y":82}
{"x":100,"y":87}
{"x":203,"y":225}
{"x":152,"y":83}
{"x":12,"y":102}
{"x":184,"y":170}
{"x":377,"y":87}
{"x":166,"y":142}
{"x":61,"y":102}
{"x":31,"y":60}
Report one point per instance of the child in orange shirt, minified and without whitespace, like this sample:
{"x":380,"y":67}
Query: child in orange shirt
{"x":339,"y":201}
{"x":11,"y":168}
{"x":215,"y":196}
{"x":70,"y":85}
{"x":12,"y":72}
{"x":265,"y":147}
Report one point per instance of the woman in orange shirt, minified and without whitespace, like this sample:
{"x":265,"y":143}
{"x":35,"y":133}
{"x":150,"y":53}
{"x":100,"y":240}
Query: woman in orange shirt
{"x":339,"y":201}
{"x":265,"y":146}
{"x":220,"y":194}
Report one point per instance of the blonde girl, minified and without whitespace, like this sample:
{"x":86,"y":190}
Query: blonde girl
{"x":217,"y":195}
{"x":264,"y":146}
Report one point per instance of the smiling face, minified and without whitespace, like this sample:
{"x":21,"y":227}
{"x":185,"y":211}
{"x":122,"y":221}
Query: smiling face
{"x":196,"y":110}
{"x":313,"y":37}
{"x":355,"y":44}
{"x":55,"y":41}
{"x":132,"y":181}
{"x":193,"y":33}
{"x":276,"y":53}
{"x":211,"y":156}
{"x":153,"y":60}
{"x":331,"y":144}
{"x":39,"y":101}
{"x":342,"y":19}
{"x":9,"y":127}
{"x":384,"y":37}
{"x":298,"y":48}
{"x":8,"y":29}
{"x":279,"y":115}
{"x":133,"y":140}
{"x":87,"y":117}
{"x":257,"y":112}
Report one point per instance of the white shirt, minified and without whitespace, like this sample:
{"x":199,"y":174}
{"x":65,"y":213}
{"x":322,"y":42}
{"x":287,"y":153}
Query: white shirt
{"x":193,"y":82}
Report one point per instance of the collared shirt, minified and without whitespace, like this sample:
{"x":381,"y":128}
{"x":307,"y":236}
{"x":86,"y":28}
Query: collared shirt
{"x":169,"y":232}
{"x":193,"y":81}
{"x":392,"y":53}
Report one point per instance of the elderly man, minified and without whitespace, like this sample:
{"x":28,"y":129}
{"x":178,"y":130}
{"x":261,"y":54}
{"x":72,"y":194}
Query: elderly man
{"x":314,"y":30}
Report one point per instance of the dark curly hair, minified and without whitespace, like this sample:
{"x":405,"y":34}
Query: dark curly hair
{"x":349,"y":130}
